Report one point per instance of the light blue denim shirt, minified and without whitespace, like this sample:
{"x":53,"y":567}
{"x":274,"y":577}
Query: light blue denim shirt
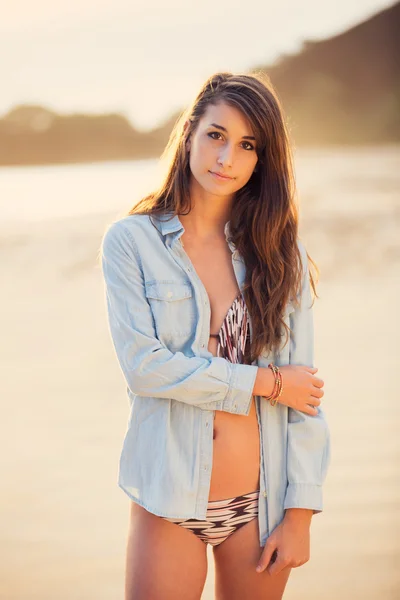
{"x":159,"y":319}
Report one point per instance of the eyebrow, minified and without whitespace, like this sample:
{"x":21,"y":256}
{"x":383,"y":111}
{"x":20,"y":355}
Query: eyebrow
{"x":244,"y":137}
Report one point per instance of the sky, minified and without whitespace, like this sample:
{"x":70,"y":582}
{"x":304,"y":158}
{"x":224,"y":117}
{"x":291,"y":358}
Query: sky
{"x":147,"y":59}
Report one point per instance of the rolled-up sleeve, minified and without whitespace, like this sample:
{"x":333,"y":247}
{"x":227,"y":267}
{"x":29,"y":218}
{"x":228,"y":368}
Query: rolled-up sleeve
{"x":151,"y":369}
{"x":308,"y":452}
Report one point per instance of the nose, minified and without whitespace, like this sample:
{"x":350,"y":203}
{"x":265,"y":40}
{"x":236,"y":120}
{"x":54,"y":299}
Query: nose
{"x":226,"y":156}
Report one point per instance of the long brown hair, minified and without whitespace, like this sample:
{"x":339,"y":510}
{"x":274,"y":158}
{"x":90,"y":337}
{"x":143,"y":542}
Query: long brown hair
{"x":264,"y":215}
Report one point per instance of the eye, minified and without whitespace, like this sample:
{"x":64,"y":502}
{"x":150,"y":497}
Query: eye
{"x":213,"y":133}
{"x":218,"y":133}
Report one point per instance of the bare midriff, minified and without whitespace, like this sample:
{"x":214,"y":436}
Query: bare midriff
{"x":236,"y":443}
{"x":236,"y":451}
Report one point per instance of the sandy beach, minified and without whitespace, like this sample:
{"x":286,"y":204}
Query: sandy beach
{"x":64,"y":407}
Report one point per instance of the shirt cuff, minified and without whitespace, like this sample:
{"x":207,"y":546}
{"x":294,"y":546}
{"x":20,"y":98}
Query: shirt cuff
{"x":304,"y":495}
{"x":240,"y":391}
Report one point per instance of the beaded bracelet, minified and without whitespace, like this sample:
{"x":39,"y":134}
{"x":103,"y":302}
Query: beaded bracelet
{"x":273,"y":398}
{"x":275,"y":391}
{"x":278,"y":385}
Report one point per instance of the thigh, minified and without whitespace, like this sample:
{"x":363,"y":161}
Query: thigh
{"x":236,"y":560}
{"x":163,"y":560}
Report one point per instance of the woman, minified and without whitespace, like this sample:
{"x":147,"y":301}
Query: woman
{"x":210,"y":311}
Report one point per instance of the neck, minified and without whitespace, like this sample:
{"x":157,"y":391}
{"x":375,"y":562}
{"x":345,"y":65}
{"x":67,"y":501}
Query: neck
{"x":208,"y":215}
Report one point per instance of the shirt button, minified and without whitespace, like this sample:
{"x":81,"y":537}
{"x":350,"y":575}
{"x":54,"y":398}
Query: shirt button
{"x":265,"y":494}
{"x":206,"y":467}
{"x":189,"y":269}
{"x":169,"y":294}
{"x":234,"y":406}
{"x":206,"y":423}
{"x":202,"y":345}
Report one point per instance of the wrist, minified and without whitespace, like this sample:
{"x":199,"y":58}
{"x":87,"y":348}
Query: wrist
{"x":299,"y":515}
{"x":269,"y":381}
{"x":264,"y":383}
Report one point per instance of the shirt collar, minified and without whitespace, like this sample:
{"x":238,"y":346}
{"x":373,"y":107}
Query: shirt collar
{"x":167,"y":225}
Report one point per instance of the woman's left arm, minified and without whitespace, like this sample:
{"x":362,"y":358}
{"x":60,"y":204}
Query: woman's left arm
{"x":308,"y":451}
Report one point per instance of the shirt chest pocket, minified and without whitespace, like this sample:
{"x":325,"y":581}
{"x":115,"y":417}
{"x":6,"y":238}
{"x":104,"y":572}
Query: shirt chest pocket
{"x":174,"y":311}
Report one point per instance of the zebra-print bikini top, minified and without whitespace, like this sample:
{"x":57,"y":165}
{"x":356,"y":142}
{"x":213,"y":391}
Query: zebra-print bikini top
{"x":234,"y":334}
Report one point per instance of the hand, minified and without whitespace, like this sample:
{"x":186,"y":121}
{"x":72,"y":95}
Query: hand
{"x":302,"y":390}
{"x":289,"y":543}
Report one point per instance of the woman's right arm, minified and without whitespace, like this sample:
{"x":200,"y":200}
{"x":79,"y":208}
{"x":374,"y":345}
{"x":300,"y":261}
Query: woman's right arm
{"x":150,"y":369}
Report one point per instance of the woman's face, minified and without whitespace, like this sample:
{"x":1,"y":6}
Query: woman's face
{"x":222,"y":143}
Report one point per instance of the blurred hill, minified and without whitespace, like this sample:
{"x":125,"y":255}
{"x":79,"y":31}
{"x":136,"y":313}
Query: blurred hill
{"x":343,"y":90}
{"x":34,"y":135}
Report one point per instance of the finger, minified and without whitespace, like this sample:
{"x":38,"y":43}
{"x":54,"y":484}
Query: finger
{"x":266,"y":556}
{"x":277,"y":566}
{"x":317,"y":392}
{"x":311,"y":369}
{"x":314,"y":401}
{"x":318,"y":382}
{"x":310,"y":410}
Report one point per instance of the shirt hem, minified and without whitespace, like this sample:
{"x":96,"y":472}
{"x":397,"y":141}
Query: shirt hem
{"x":154,"y":511}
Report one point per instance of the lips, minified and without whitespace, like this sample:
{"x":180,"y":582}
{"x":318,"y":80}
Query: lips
{"x":221,"y":175}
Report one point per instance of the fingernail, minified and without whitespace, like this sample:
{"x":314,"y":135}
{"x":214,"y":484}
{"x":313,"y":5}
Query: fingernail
{"x":259,"y":569}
